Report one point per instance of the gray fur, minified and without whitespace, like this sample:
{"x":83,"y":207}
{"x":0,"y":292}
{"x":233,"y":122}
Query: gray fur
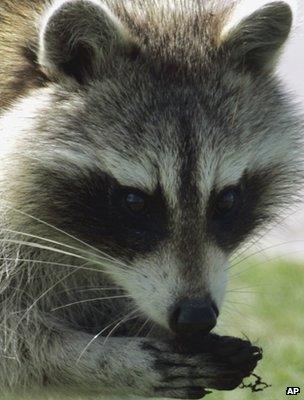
{"x":175,"y":112}
{"x":80,"y":25}
{"x":258,"y":38}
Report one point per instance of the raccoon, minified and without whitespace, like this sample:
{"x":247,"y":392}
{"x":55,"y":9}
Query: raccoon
{"x":141,"y":144}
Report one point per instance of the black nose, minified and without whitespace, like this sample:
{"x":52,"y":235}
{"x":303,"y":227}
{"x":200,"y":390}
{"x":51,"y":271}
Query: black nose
{"x":194,"y":315}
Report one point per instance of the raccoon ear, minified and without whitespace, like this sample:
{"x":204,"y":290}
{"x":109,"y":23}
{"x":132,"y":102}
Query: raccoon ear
{"x":77,"y":37}
{"x":254,"y":41}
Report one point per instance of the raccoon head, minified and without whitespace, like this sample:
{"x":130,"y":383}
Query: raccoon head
{"x":164,"y":140}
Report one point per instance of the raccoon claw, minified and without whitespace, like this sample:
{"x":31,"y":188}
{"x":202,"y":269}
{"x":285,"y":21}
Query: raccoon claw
{"x":239,"y":354}
{"x":236,"y":356}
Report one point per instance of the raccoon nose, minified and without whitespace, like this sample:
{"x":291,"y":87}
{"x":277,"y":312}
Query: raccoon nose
{"x":194,"y":315}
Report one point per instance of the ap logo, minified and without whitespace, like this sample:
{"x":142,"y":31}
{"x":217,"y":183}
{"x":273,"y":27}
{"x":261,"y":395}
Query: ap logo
{"x":292,"y":391}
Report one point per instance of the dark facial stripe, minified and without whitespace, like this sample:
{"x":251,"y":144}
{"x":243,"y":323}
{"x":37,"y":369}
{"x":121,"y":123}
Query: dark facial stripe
{"x":93,"y":208}
{"x":259,"y":191}
{"x":190,"y":225}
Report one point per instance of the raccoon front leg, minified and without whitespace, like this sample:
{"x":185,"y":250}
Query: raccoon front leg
{"x":118,"y":366}
{"x":151,"y":367}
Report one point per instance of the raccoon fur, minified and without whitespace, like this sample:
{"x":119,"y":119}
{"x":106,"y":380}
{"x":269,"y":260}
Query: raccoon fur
{"x":141,"y":144}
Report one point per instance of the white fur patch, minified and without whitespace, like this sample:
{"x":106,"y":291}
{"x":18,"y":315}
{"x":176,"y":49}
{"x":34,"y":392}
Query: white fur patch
{"x":137,"y":173}
{"x":223,"y":169}
{"x":217,"y":274}
{"x":21,"y":120}
{"x":169,"y":177}
{"x":156,"y":282}
{"x":231,"y":169}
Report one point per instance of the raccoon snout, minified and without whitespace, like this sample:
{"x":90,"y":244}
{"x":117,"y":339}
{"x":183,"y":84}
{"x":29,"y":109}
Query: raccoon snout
{"x":194,"y":315}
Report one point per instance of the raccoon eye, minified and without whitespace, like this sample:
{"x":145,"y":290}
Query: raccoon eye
{"x":227,"y":201}
{"x":135,"y":202}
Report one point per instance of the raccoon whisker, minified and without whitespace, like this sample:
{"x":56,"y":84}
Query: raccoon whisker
{"x":237,"y":274}
{"x":18,"y":289}
{"x":239,"y":303}
{"x":57,"y":229}
{"x":41,"y":296}
{"x":252,"y":243}
{"x":227,"y":308}
{"x":244,"y":291}
{"x":264,"y":232}
{"x":244,"y":253}
{"x":233,"y":276}
{"x":231,"y":309}
{"x":150,"y":330}
{"x":89,"y":289}
{"x":142,"y":327}
{"x":255,"y":240}
{"x":64,"y":245}
{"x":127,"y":318}
{"x":88,"y":300}
{"x":52,"y":263}
{"x":265,"y":249}
{"x":40,"y":246}
{"x":271,"y":259}
{"x":99,"y":334}
{"x":94,"y":338}
{"x":247,"y":289}
{"x":251,"y":286}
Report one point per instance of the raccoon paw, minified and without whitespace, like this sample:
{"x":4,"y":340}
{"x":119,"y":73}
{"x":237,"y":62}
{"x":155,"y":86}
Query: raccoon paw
{"x":219,"y":363}
{"x":176,"y":375}
{"x":229,"y":359}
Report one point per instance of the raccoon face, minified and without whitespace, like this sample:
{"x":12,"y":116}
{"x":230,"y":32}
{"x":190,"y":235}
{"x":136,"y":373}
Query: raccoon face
{"x":163,"y":154}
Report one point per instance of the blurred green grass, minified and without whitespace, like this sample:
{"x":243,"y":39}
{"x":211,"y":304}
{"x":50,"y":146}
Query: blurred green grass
{"x":265,"y":302}
{"x":272,"y":314}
